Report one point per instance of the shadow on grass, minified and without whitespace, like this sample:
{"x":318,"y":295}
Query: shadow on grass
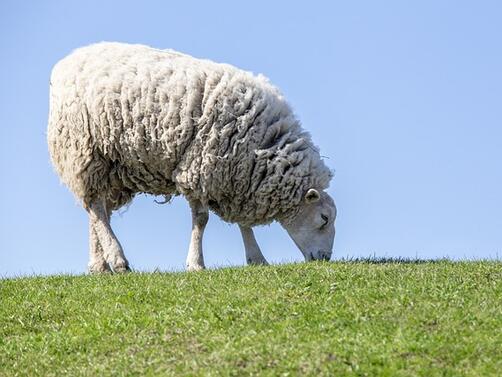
{"x":376,"y":260}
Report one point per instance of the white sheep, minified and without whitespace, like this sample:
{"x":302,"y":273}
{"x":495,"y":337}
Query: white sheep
{"x":126,"y":119}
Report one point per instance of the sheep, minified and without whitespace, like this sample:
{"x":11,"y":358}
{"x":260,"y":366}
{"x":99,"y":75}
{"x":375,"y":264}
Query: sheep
{"x":127,"y":119}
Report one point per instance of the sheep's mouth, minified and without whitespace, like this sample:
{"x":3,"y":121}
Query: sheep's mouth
{"x":321,"y":255}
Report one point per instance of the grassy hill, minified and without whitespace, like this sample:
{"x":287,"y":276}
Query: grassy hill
{"x":344,"y":318}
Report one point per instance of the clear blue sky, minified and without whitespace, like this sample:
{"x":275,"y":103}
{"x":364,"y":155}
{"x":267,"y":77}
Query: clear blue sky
{"x":404,"y":99}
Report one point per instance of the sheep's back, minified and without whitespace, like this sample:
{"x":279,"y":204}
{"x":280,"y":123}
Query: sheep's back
{"x":127,"y":119}
{"x":123,"y":113}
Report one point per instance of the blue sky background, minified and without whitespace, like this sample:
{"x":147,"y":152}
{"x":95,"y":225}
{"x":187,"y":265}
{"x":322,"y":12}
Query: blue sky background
{"x":404,"y":100}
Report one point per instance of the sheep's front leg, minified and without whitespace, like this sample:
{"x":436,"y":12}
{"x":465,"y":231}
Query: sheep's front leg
{"x":111,"y":250}
{"x":200,"y":216}
{"x":253,"y":252}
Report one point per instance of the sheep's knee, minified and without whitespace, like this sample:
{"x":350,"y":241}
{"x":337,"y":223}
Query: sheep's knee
{"x":201,"y":218}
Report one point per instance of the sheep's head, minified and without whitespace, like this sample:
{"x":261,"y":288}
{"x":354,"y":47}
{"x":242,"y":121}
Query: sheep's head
{"x":313,"y":227}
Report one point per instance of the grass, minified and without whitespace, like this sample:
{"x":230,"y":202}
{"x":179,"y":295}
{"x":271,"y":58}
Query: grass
{"x":354,"y":318}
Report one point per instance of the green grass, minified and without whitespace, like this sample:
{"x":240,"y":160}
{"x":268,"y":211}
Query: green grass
{"x":344,"y":318}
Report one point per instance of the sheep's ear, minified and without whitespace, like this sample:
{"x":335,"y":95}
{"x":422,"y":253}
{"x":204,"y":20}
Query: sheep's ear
{"x":312,"y":196}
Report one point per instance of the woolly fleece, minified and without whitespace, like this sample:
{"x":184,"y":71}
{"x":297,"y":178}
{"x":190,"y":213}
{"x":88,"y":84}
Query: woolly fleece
{"x":126,"y":119}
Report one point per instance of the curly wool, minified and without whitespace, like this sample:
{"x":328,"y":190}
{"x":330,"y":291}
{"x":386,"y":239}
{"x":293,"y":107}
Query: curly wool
{"x":126,"y":119}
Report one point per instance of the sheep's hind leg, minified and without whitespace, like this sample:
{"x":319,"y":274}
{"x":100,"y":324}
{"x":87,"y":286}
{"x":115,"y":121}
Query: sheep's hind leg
{"x":112,"y":251}
{"x":97,"y":263}
{"x":253,"y":252}
{"x":200,"y":216}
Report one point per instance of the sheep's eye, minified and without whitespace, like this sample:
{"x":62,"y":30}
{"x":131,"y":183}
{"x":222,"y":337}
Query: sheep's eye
{"x":326,"y":220}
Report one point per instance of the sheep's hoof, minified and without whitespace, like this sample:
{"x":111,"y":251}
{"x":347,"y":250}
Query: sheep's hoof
{"x":99,"y":268}
{"x":121,"y":268}
{"x":257,"y":262}
{"x":195,"y":267}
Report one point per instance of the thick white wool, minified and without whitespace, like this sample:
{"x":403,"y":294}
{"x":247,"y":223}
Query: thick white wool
{"x":126,"y":119}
